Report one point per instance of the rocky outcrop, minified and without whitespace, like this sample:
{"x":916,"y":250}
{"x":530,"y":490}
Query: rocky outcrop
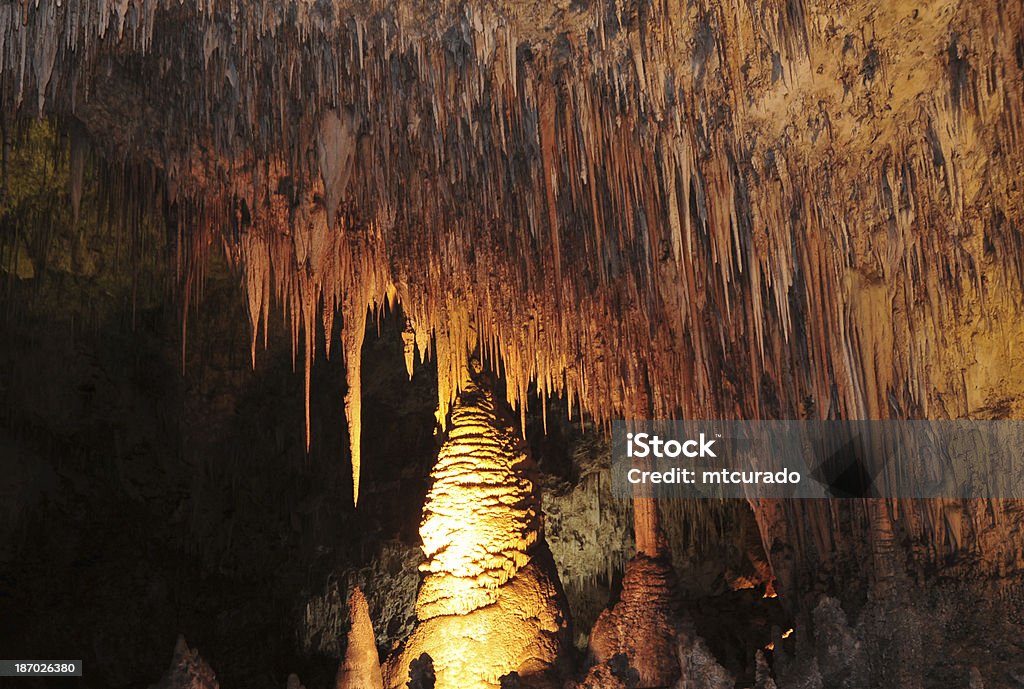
{"x":490,"y":603}
{"x":890,"y":643}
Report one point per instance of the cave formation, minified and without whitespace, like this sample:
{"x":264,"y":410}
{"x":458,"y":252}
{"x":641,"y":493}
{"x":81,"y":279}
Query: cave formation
{"x":490,"y":603}
{"x":225,"y":224}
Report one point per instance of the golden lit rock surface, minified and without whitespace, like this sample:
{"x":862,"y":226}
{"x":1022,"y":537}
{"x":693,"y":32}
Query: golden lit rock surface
{"x":794,"y":207}
{"x":360,"y":669}
{"x":482,"y":513}
{"x":490,"y":603}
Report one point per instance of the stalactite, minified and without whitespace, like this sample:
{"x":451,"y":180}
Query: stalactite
{"x":355,"y":326}
{"x":752,"y":210}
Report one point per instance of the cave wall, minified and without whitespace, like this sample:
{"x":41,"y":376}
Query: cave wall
{"x":148,"y":500}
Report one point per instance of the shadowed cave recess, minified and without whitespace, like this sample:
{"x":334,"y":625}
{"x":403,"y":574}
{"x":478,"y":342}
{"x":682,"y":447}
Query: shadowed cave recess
{"x":315,"y":316}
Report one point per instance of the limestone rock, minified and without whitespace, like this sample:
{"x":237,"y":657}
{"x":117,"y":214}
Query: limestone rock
{"x":756,"y":209}
{"x":490,"y":603}
{"x":644,"y":624}
{"x":837,"y":647}
{"x":763,"y":674}
{"x":600,"y":677}
{"x":698,"y":668}
{"x":482,"y":512}
{"x":360,"y":668}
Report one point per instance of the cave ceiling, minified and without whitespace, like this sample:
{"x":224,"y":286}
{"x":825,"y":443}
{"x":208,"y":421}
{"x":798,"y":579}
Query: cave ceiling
{"x":772,"y":208}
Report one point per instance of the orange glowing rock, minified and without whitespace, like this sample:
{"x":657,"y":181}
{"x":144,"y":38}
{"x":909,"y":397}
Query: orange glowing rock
{"x":740,"y":210}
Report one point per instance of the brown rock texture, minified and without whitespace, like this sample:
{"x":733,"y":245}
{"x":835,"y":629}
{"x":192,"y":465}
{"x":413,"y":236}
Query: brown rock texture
{"x":600,"y":677}
{"x":490,"y":603}
{"x":804,"y":208}
{"x":644,"y":625}
{"x":360,"y":669}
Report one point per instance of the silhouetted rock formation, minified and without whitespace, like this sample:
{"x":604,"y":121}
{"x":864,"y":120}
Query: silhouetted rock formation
{"x":188,"y":670}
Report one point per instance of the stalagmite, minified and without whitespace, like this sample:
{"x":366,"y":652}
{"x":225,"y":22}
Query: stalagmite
{"x":644,"y":625}
{"x":360,"y":669}
{"x":698,"y":667}
{"x":490,"y":603}
{"x":188,"y":670}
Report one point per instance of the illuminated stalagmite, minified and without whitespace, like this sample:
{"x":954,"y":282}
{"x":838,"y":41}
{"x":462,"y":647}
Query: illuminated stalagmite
{"x":490,"y":603}
{"x":360,"y":668}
